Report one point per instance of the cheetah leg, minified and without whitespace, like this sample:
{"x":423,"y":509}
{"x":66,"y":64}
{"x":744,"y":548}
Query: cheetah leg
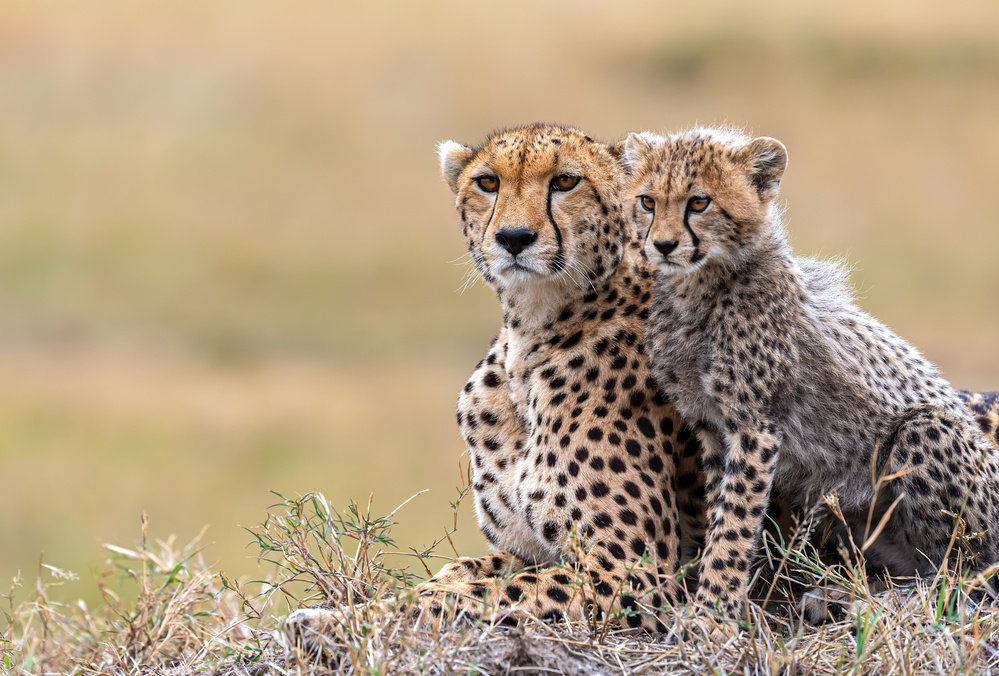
{"x":713,"y":462}
{"x":466,"y":569}
{"x":640,"y":597}
{"x":826,"y":604}
{"x":946,"y":477}
{"x":738,"y":487}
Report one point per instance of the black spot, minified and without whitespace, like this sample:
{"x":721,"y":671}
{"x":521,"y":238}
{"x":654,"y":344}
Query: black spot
{"x":645,"y":425}
{"x":595,"y":434}
{"x":617,"y":465}
{"x":557,"y":594}
{"x":491,"y":380}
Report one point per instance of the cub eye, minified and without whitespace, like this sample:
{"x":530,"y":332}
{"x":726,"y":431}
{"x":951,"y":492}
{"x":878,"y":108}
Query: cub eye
{"x":647,"y":203}
{"x":698,"y":204}
{"x":566,"y":182}
{"x":488,"y":183}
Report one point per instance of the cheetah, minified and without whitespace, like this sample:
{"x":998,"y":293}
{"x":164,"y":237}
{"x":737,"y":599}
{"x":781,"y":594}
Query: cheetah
{"x":787,"y":383}
{"x":574,"y":449}
{"x":583,"y":316}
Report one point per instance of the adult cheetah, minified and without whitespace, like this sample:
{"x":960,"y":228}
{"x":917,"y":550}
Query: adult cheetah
{"x":573,"y":446}
{"x":788,"y":382}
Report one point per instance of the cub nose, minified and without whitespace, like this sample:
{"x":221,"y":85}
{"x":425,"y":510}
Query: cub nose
{"x":665,"y":246}
{"x":515,"y":241}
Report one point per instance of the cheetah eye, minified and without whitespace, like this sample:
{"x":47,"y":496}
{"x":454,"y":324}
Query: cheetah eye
{"x":487,"y":183}
{"x":699,"y":204}
{"x":647,"y":203}
{"x":564,"y":182}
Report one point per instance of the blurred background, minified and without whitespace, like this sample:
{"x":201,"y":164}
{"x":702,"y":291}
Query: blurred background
{"x":228,"y":263}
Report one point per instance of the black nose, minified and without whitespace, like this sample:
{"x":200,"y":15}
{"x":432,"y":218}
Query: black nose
{"x":665,"y":246}
{"x":515,"y":241}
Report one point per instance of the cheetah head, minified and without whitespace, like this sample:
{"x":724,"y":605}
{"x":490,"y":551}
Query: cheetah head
{"x":701,"y":195}
{"x":540,"y":209}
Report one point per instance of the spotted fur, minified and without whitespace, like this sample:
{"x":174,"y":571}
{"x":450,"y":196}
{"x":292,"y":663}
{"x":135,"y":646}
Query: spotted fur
{"x":574,"y":449}
{"x":789,"y":383}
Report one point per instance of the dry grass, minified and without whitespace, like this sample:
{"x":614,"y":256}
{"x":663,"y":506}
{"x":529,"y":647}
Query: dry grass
{"x":164,"y":611}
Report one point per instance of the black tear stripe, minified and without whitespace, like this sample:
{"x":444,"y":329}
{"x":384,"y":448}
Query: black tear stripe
{"x":697,"y":255}
{"x":634,"y":210}
{"x":558,"y":263}
{"x":489,"y":221}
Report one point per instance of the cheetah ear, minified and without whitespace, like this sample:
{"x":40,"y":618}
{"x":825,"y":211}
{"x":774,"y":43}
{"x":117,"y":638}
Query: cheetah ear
{"x":766,"y":159}
{"x":634,"y":148}
{"x":454,"y":157}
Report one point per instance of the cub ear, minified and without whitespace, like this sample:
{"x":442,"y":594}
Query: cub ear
{"x":634,"y":148}
{"x":454,"y":157}
{"x":766,"y":160}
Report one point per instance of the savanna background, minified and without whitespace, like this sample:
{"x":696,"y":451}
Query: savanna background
{"x":228,"y":263}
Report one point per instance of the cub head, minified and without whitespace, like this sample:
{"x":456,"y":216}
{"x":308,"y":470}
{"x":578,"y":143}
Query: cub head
{"x":702,"y":195}
{"x":540,"y":208}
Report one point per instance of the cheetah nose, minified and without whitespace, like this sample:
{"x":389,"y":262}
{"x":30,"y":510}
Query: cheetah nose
{"x":665,"y":246}
{"x":515,"y":241}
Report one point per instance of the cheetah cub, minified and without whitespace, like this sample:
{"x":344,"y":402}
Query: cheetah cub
{"x":790,"y":385}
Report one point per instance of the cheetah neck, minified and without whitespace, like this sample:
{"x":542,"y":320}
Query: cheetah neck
{"x":528,"y":308}
{"x":542,"y":318}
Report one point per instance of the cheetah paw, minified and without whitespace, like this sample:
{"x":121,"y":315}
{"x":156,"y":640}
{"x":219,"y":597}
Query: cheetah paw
{"x":310,"y":630}
{"x":825,"y":606}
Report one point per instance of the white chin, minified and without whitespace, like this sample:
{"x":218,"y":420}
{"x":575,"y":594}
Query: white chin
{"x":670,"y":267}
{"x":515,"y":275}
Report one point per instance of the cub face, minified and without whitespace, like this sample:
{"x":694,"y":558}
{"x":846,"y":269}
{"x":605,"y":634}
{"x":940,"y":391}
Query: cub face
{"x":539,"y":205}
{"x":701,"y":195}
